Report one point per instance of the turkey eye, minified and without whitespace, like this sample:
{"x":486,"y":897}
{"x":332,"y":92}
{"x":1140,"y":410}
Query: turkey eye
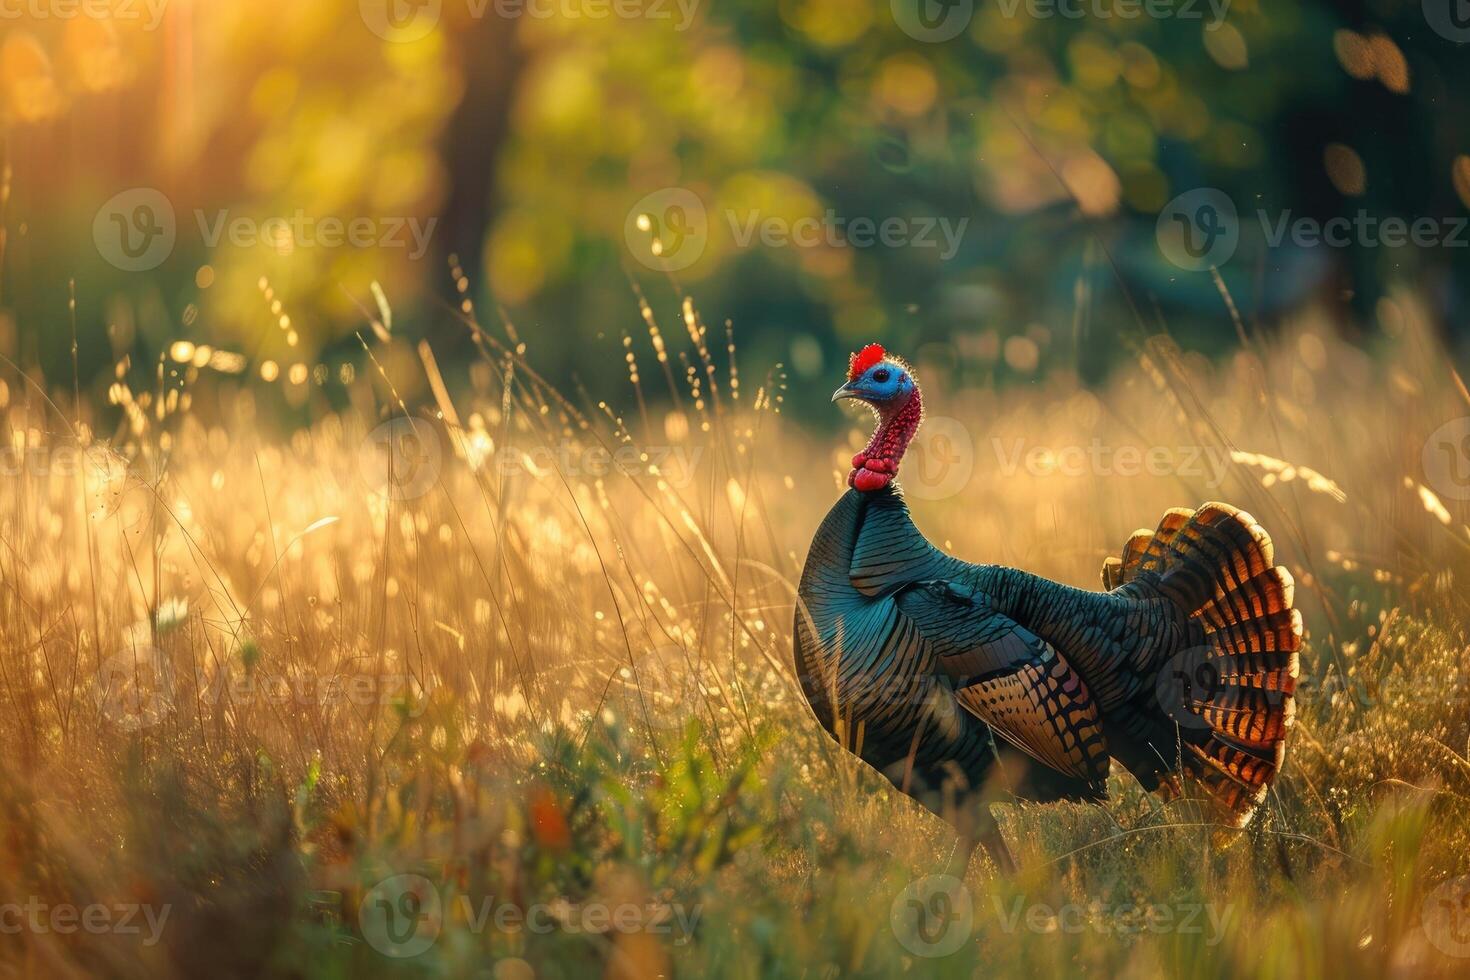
{"x":880,"y":376}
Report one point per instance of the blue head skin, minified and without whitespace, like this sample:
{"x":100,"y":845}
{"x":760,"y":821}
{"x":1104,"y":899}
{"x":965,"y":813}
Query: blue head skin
{"x":887,"y":386}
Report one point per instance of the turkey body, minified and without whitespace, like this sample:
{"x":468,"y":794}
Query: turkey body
{"x":960,"y":681}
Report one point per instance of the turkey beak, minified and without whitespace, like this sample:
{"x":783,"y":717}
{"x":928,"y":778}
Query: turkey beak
{"x":849,"y":390}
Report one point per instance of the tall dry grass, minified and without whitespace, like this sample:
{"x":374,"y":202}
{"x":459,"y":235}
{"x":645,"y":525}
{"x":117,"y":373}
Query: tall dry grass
{"x":250,"y":678}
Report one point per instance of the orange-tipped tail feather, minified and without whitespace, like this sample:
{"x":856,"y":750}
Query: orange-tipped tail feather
{"x":1232,"y":696}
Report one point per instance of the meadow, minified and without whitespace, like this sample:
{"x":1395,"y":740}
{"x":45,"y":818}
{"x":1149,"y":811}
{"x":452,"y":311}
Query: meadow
{"x":499,"y":684}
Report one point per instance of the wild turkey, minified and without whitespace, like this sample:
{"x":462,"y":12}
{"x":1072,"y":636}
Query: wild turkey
{"x":964,"y":684}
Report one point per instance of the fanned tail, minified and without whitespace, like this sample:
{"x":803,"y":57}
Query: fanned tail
{"x":1229,"y":697}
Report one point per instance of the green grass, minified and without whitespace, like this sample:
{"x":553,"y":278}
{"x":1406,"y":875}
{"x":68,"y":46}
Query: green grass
{"x":561,"y":701}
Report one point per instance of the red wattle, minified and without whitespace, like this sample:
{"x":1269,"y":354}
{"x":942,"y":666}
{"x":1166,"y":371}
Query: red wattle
{"x":866,"y":479}
{"x":877,"y":464}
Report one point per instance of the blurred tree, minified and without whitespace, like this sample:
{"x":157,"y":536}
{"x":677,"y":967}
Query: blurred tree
{"x":492,"y":63}
{"x":1026,"y":160}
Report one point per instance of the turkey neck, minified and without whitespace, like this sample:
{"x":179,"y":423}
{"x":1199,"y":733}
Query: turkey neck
{"x":877,"y":464}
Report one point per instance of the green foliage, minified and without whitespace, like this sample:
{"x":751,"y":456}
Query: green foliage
{"x":1056,"y":137}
